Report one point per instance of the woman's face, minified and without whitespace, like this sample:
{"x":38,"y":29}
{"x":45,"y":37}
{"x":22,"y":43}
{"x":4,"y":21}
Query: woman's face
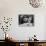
{"x":25,"y":19}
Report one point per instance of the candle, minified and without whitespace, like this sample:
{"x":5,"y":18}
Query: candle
{"x":7,"y":35}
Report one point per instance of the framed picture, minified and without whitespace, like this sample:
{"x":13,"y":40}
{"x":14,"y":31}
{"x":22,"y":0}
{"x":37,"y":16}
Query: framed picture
{"x":26,"y":20}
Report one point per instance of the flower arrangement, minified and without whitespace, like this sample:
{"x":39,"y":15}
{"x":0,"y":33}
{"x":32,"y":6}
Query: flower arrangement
{"x":6,"y":24}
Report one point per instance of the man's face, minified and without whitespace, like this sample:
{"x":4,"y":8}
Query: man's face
{"x":29,"y":19}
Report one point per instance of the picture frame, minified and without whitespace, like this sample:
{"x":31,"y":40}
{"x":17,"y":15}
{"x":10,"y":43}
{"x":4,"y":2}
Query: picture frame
{"x":26,"y":20}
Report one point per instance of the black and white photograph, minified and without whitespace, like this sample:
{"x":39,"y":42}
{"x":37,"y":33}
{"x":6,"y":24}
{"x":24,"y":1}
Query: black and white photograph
{"x":26,"y":20}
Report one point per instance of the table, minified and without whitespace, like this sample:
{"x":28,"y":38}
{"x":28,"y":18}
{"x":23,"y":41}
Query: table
{"x":28,"y":43}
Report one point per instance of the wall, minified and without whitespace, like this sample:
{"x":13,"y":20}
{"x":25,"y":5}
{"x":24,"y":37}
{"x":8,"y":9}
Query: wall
{"x":12,"y":8}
